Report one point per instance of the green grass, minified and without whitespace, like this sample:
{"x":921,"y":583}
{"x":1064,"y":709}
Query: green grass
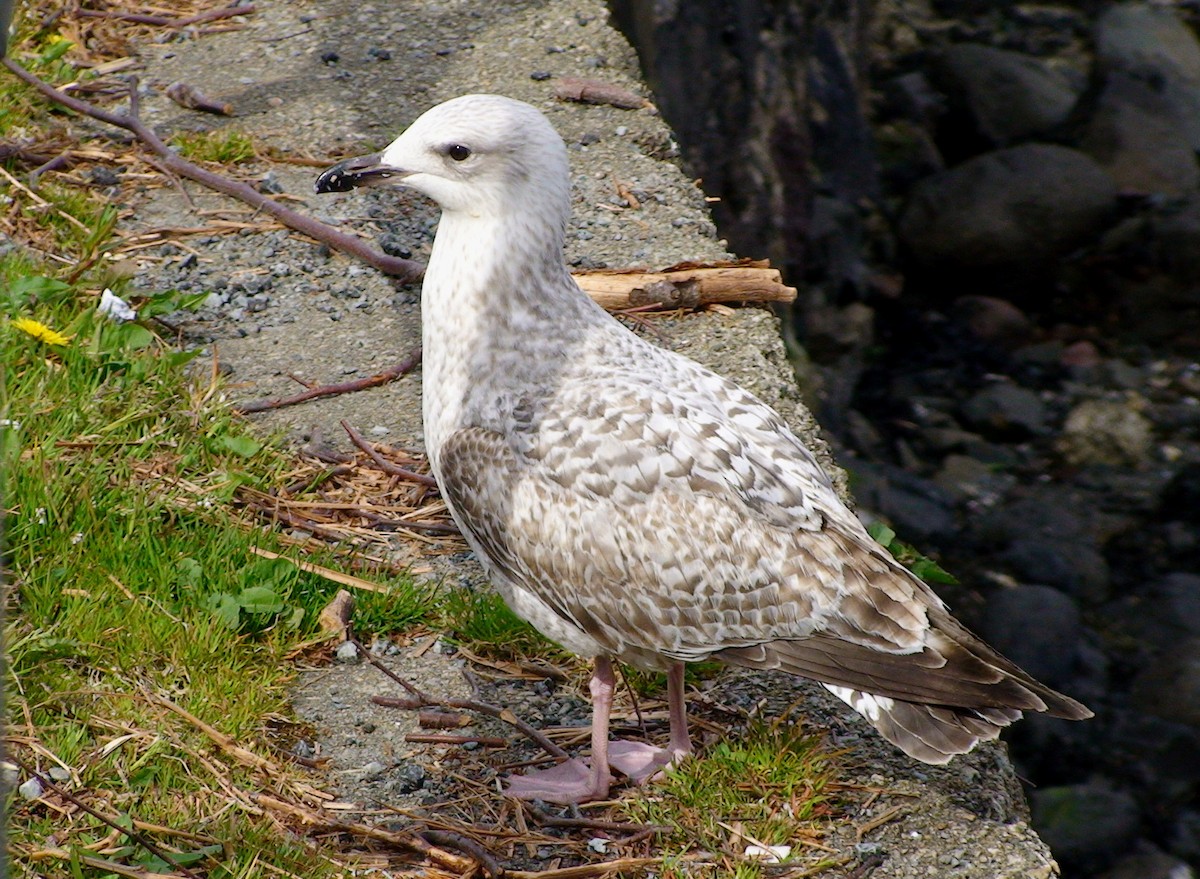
{"x":225,"y":146}
{"x":121,"y":578}
{"x":769,"y":785}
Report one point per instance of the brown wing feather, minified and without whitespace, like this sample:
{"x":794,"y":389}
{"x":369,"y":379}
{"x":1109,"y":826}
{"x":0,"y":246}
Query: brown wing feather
{"x":684,"y":576}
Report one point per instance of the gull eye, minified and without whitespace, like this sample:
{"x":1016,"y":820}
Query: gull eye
{"x":458,"y":152}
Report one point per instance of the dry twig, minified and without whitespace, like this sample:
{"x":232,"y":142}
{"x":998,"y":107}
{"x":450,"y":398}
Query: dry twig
{"x":406,"y":271}
{"x":404,"y":367}
{"x":420,"y":699}
{"x":134,"y":835}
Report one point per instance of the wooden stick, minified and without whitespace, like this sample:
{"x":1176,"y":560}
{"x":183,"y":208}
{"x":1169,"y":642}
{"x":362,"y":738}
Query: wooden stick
{"x":423,"y":700}
{"x":689,"y":285}
{"x":407,"y":365}
{"x":327,"y":573}
{"x":166,"y":21}
{"x":382,"y":463}
{"x":405,"y":841}
{"x":405,"y":270}
{"x":451,"y":739}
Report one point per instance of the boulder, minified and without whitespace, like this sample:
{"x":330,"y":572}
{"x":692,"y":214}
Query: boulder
{"x":1018,"y":207}
{"x":1039,"y":629}
{"x":1009,"y":96}
{"x":1086,"y":826}
{"x":1138,"y":135}
{"x":1169,"y":687}
{"x":1151,"y":43}
{"x":1006,"y":410}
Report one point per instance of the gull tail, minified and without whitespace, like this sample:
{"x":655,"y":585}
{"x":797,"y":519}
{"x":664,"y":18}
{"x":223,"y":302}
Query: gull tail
{"x":932,"y":704}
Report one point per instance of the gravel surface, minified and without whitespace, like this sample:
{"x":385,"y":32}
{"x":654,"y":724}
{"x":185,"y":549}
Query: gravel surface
{"x":311,"y":78}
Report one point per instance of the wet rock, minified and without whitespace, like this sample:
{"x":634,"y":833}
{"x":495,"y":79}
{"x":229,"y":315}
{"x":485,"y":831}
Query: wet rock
{"x":1086,"y":826}
{"x":993,"y":320}
{"x":1181,"y":497}
{"x":971,"y":480}
{"x":1169,"y":687}
{"x":1051,"y":537}
{"x":1148,"y":862}
{"x":1006,"y":410}
{"x":918,"y":510}
{"x":1150,"y":43}
{"x":1076,"y":567}
{"x":1175,"y":242}
{"x":1111,"y":433}
{"x":1039,"y":629}
{"x":1138,"y":136}
{"x":1008,"y":95}
{"x":1017,"y":207}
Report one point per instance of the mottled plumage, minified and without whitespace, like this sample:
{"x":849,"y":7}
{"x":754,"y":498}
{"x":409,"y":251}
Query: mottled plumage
{"x":630,"y":503}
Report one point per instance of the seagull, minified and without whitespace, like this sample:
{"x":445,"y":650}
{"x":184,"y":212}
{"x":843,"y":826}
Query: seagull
{"x":633,"y":505}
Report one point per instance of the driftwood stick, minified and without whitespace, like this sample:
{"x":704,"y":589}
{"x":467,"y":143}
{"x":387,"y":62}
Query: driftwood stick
{"x":405,"y":270}
{"x":424,"y":700}
{"x":686,"y":286}
{"x":405,"y":366}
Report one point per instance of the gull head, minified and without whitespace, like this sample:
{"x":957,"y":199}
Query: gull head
{"x":476,"y":155}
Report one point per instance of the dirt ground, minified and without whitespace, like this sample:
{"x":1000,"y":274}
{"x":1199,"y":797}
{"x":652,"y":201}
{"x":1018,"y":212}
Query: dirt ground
{"x":337,"y":76}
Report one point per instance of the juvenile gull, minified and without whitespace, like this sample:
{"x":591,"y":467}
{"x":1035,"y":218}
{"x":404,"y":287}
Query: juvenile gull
{"x":633,"y":505}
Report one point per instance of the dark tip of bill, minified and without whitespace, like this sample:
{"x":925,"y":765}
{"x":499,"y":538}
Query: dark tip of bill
{"x":336,"y":179}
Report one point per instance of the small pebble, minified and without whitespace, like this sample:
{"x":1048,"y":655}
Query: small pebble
{"x":347,"y":652}
{"x":31,"y":789}
{"x":540,"y":75}
{"x":330,"y":57}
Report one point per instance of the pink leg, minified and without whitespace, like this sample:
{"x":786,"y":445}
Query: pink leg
{"x":641,"y":761}
{"x":681,"y":743}
{"x":573,"y":781}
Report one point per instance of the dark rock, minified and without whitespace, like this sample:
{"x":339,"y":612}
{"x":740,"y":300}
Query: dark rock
{"x":1150,"y":42}
{"x":102,"y":176}
{"x":971,"y":480}
{"x":1163,"y":755}
{"x":1148,"y":862}
{"x":1185,"y":834}
{"x":409,"y":777}
{"x":993,"y":320}
{"x":1169,"y":687}
{"x":1039,"y":629}
{"x":1008,"y":95}
{"x":911,"y":96}
{"x":1086,"y":826}
{"x":1017,"y":207}
{"x":1181,"y":497}
{"x":918,"y":510}
{"x":1137,"y":135}
{"x":1006,"y":410}
{"x":1076,"y":567}
{"x":1175,"y":243}
{"x":1052,"y":537}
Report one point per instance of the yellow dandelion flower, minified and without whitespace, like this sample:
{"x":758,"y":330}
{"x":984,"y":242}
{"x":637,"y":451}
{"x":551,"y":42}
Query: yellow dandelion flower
{"x":40,"y":331}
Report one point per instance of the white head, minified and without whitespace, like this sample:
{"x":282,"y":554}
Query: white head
{"x":477,"y":155}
